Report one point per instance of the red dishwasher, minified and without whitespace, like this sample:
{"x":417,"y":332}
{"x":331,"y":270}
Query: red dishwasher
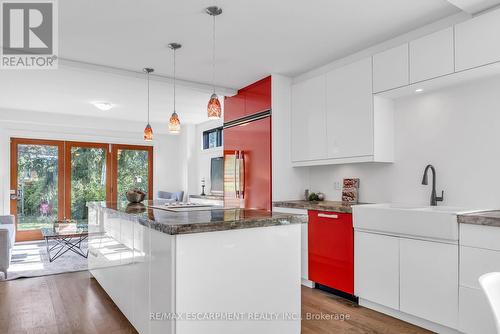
{"x":331,"y":250}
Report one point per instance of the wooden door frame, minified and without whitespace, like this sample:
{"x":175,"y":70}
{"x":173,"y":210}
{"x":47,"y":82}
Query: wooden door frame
{"x":114,"y":168}
{"x":64,"y":174}
{"x":67,"y":171}
{"x":14,"y":143}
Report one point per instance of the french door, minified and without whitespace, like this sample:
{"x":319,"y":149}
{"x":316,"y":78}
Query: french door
{"x":53,"y":180}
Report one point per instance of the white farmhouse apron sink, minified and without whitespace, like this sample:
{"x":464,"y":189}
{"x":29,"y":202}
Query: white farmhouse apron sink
{"x":434,"y":222}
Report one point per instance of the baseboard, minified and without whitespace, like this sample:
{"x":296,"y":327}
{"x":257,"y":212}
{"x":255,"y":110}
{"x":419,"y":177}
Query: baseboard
{"x":307,"y":283}
{"x":429,"y":325}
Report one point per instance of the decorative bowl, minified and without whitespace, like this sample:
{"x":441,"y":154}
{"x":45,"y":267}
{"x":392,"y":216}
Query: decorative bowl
{"x":135,"y":195}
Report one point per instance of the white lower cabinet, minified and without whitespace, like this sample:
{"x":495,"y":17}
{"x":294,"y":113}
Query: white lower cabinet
{"x":416,"y":280}
{"x":304,"y":253}
{"x":475,"y":314}
{"x":376,"y":268}
{"x":479,"y":254}
{"x":304,"y":248}
{"x":429,"y":280}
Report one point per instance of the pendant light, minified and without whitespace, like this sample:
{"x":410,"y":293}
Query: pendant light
{"x":148,"y":131}
{"x":214,"y":110}
{"x":174,"y":124}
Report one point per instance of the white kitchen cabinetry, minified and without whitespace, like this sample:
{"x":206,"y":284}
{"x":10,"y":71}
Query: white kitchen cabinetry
{"x":349,"y":105}
{"x":308,"y":135}
{"x":429,"y":280}
{"x":479,"y":254}
{"x":376,"y":268}
{"x":432,"y":56}
{"x":391,"y":69}
{"x":304,"y":252}
{"x":477,"y":41}
{"x":350,"y":125}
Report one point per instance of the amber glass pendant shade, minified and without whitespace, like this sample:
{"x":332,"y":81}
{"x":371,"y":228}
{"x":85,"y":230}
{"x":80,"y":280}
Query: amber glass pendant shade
{"x":174,"y":124}
{"x":214,"y":109}
{"x":148,"y":133}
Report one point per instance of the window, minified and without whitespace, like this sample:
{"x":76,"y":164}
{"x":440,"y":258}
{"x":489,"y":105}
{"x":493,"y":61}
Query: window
{"x":212,"y":138}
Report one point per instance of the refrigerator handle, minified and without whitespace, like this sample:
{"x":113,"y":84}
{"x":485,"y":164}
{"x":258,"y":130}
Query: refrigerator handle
{"x":235,"y":173}
{"x":241,"y":171}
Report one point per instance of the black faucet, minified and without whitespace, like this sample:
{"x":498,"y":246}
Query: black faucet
{"x":434,"y":198}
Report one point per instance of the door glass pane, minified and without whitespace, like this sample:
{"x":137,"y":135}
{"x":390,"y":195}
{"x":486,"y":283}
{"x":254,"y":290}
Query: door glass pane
{"x":133,"y":171}
{"x":37,"y":182}
{"x":88,"y":179}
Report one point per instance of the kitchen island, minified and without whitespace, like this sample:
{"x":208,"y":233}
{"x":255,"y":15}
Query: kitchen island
{"x":211,"y":270}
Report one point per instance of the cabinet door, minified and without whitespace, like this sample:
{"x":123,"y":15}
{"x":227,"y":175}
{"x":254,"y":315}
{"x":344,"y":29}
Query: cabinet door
{"x":475,"y":313}
{"x":234,"y":107}
{"x":140,"y":278}
{"x":349,"y":110}
{"x":376,"y":268}
{"x":390,"y":69}
{"x":475,"y":262}
{"x":477,"y":41}
{"x":432,"y":56}
{"x":304,"y":253}
{"x":258,"y":97}
{"x":429,"y":281}
{"x":309,"y":120}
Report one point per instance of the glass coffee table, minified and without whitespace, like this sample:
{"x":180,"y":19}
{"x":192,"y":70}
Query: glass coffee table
{"x":66,"y":239}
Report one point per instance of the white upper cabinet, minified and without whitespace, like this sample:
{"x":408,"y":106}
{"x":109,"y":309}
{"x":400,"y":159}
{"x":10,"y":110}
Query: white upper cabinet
{"x":337,"y":120}
{"x":391,"y":69}
{"x":309,"y":120}
{"x":349,"y":110}
{"x":432,"y":56}
{"x":477,"y":41}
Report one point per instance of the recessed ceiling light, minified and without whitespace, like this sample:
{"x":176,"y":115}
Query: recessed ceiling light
{"x":419,"y":90}
{"x":103,"y":106}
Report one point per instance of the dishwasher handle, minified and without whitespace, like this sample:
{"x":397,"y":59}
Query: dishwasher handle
{"x":327,"y":215}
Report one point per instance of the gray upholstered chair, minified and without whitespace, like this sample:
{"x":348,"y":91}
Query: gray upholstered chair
{"x":7,"y":239}
{"x":177,"y":196}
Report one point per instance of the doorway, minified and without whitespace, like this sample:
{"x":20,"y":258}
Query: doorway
{"x":53,"y":180}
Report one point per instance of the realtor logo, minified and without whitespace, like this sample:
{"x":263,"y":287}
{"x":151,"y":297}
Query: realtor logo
{"x":29,"y":35}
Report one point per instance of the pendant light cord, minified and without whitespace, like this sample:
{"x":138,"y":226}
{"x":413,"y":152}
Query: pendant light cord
{"x":148,"y":94}
{"x":213,"y":57}
{"x":174,"y":80}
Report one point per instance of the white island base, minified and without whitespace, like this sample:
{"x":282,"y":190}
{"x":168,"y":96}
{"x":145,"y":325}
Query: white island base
{"x":188,"y":283}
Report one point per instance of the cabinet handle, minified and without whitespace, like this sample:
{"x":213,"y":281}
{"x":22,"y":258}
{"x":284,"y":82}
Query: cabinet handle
{"x":325,"y":215}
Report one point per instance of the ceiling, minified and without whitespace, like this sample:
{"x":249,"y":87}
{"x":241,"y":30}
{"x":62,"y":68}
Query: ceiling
{"x":72,"y":90}
{"x":254,"y":38}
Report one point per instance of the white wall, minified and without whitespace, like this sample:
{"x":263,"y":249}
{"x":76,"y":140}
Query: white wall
{"x":456,"y":129}
{"x":25,"y":124}
{"x":288,"y":183}
{"x":204,"y":157}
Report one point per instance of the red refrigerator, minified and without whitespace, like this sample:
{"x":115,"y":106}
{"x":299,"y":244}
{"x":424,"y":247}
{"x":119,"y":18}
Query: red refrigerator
{"x":247,"y":148}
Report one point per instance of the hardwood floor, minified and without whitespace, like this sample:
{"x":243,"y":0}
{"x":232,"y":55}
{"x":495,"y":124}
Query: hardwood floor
{"x":74,"y":303}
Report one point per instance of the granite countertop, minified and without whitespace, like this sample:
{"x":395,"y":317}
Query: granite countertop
{"x":334,"y":206}
{"x":488,"y":218}
{"x":196,"y":221}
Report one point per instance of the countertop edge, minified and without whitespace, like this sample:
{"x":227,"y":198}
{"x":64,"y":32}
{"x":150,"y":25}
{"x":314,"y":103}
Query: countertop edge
{"x":332,"y":206}
{"x":281,"y":219}
{"x":479,"y":218}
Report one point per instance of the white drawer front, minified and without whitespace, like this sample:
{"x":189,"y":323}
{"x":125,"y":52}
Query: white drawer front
{"x":475,"y":262}
{"x":480,"y":236}
{"x":475,"y":315}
